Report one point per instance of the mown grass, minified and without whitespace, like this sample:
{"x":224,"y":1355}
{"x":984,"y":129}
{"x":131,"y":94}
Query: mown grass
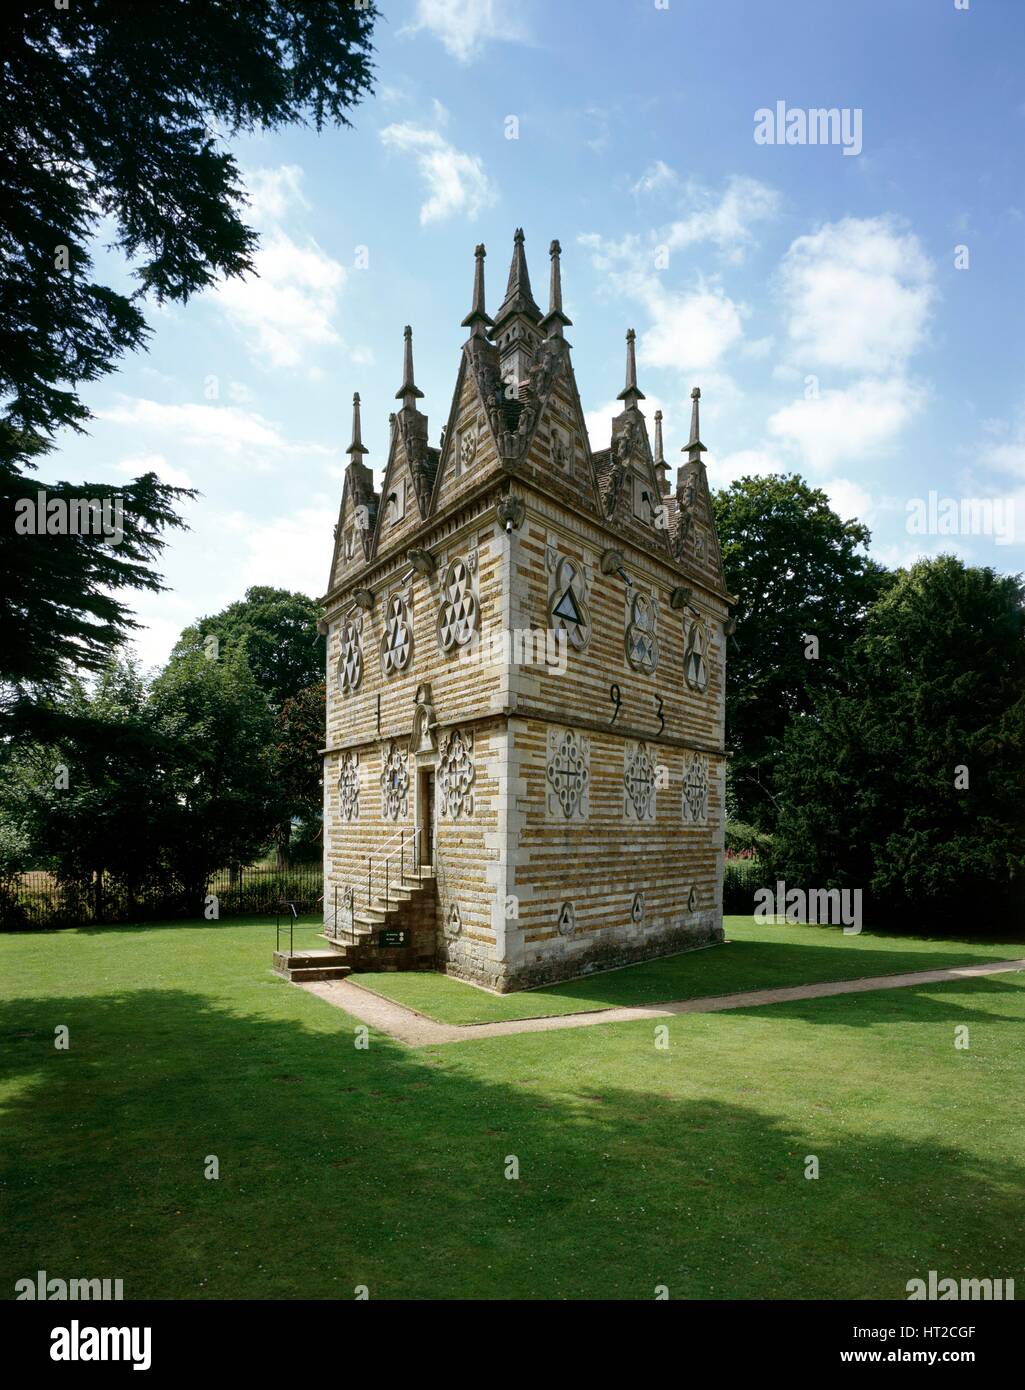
{"x":386,"y":1166}
{"x":758,"y":955}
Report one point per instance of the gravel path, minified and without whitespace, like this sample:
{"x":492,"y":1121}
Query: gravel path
{"x":419,"y":1031}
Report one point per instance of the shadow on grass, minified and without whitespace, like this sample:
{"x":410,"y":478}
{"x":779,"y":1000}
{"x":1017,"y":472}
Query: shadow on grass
{"x":738,"y":966}
{"x":945,"y":1002}
{"x":386,"y":1167}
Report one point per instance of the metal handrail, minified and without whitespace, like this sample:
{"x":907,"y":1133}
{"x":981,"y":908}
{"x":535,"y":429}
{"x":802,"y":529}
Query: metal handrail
{"x":401,"y":837}
{"x":293,"y":916}
{"x":349,"y":891}
{"x":348,"y":905}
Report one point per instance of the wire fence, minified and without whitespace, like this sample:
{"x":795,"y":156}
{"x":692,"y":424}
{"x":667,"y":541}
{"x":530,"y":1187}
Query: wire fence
{"x":39,"y":899}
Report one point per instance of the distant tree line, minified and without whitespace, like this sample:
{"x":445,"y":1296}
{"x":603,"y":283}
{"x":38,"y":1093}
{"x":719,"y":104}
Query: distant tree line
{"x":137,"y":789}
{"x":875,"y":719}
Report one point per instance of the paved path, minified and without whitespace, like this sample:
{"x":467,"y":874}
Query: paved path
{"x":419,"y":1031}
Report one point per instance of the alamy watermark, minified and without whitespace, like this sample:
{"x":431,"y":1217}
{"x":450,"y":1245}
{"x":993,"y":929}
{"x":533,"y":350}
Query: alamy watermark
{"x":794,"y":125}
{"x":961,"y":516}
{"x":83,"y":1290}
{"x":997,"y":1290}
{"x":816,"y":906}
{"x":78,"y":1343}
{"x":519,"y":646}
{"x":70,"y":516}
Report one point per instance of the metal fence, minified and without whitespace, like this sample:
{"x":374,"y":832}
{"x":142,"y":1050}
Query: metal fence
{"x":39,"y":899}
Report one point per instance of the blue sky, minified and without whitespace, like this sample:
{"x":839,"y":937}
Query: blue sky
{"x":812,"y":294}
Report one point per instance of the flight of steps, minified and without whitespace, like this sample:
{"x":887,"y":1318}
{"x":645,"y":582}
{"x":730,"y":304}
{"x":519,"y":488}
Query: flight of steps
{"x":355,"y":948}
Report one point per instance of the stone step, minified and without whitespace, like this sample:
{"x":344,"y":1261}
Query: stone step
{"x":311,"y":965}
{"x":345,"y":939}
{"x":305,"y":958}
{"x":323,"y":972}
{"x":397,"y":894}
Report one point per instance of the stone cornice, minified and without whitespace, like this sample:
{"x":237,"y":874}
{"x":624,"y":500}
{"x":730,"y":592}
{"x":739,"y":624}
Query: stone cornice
{"x":541,"y":716}
{"x":473,"y":503}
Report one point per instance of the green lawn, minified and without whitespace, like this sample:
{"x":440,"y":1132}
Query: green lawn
{"x":385,"y":1166}
{"x":758,"y":956}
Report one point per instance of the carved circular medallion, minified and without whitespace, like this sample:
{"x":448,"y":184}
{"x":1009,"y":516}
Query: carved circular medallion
{"x":397,"y":642}
{"x":459,"y":615}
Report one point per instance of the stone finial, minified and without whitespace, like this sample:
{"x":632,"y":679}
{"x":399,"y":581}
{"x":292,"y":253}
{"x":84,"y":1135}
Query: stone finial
{"x":630,"y":393}
{"x":408,"y":392}
{"x":694,"y":447}
{"x":357,"y":446}
{"x":477,"y":321}
{"x":555,"y":320}
{"x":660,"y":459}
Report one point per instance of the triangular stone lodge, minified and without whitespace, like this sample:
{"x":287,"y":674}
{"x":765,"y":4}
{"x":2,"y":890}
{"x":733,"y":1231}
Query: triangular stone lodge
{"x":524,"y":766}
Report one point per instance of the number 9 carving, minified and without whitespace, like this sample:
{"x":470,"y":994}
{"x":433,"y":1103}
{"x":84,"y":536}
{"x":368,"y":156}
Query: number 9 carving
{"x":617,"y":700}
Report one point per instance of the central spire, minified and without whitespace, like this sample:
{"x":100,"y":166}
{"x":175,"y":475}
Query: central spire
{"x":518,"y":297}
{"x":630,"y":393}
{"x":408,"y":392}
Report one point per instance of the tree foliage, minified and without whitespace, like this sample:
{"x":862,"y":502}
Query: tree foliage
{"x":277,"y":630}
{"x":298,"y":739}
{"x":61,"y":611}
{"x":144,"y":790}
{"x":87,"y":799}
{"x":798,"y":571}
{"x":113,"y":119}
{"x":116,"y":114}
{"x":221,"y":801}
{"x":907,"y":782}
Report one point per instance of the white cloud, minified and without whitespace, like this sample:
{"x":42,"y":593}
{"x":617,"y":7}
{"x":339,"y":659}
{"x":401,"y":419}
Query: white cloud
{"x":274,"y":192}
{"x":848,"y":423}
{"x":727,"y":219}
{"x":1008,"y":456}
{"x":137,"y":465}
{"x":287,"y":306}
{"x":657,"y":175}
{"x":694,"y":329}
{"x":226,"y":429}
{"x":850,"y":500}
{"x":599,"y":422}
{"x":689,"y":331}
{"x":858,"y":296}
{"x":456,"y":182}
{"x":755,"y":463}
{"x":465,"y":26}
{"x":290,"y":551}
